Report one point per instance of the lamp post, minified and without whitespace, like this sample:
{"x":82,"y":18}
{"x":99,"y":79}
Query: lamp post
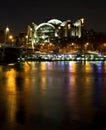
{"x":5,"y":40}
{"x":6,"y":32}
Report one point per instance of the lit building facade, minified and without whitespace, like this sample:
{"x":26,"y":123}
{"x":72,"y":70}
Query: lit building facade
{"x":53,"y":29}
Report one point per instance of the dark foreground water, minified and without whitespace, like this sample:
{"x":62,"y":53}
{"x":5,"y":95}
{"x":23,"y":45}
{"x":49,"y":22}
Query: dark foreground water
{"x":53,"y":96}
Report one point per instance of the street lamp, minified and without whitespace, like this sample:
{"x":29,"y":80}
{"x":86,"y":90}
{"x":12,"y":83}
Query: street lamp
{"x":6,"y":32}
{"x":11,"y":39}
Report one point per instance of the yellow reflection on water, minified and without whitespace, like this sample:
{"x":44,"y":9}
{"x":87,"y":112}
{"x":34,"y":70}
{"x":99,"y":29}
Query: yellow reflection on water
{"x":43,"y":82}
{"x":12,"y":95}
{"x":11,"y":84}
{"x":0,"y":68}
{"x":87,"y":66}
{"x":26,"y":66}
{"x":12,"y":105}
{"x":27,"y":83}
{"x":43,"y":66}
{"x":72,"y":66}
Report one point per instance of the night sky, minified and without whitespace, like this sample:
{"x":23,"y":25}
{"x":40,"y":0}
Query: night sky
{"x":17,"y":14}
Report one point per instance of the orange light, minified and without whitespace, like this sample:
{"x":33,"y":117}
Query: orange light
{"x":10,"y":37}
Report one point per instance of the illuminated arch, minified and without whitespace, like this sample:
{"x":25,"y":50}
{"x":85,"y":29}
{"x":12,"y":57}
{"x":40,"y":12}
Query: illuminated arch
{"x":54,"y":21}
{"x":44,"y":25}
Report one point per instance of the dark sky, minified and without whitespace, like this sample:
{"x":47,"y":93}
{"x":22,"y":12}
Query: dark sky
{"x":17,"y":14}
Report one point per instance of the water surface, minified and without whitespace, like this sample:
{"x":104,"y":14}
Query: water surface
{"x":53,"y":95}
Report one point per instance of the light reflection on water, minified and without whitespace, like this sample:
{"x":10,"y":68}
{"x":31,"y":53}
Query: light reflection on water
{"x":52,"y":95}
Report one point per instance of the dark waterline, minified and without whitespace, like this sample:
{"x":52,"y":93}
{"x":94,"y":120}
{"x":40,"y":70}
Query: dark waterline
{"x":53,"y":95}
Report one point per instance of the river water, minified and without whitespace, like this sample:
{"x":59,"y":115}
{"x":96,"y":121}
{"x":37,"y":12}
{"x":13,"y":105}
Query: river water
{"x":61,"y":95}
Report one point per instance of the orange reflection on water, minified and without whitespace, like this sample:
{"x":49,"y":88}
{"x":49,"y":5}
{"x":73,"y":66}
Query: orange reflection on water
{"x":43,"y":66}
{"x":87,"y":67}
{"x":0,"y":68}
{"x":11,"y":84}
{"x":72,"y":66}
{"x":43,"y":83}
{"x":26,"y":66}
{"x":12,"y":94}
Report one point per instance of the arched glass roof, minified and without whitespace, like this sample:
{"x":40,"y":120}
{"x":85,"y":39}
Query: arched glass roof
{"x":43,"y":25}
{"x":55,"y":21}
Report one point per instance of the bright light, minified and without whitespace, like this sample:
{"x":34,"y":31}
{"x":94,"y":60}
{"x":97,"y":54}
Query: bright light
{"x":26,"y":36}
{"x":82,"y":20}
{"x":72,"y":44}
{"x":10,"y":37}
{"x":87,"y":43}
{"x":7,"y":29}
